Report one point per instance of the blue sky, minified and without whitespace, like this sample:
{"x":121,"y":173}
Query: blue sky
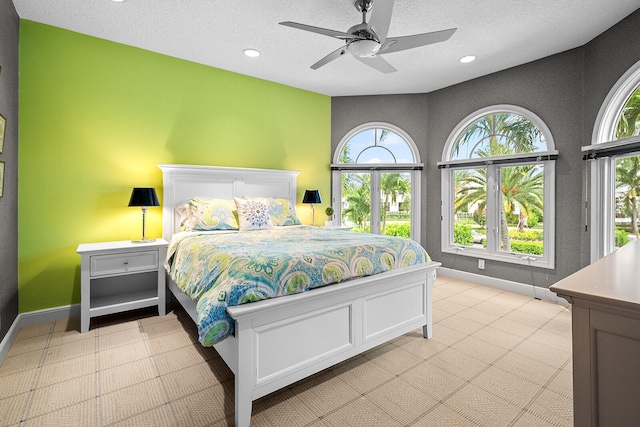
{"x":364,"y":145}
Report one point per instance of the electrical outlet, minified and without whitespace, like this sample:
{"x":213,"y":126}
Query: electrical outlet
{"x":481,"y":264}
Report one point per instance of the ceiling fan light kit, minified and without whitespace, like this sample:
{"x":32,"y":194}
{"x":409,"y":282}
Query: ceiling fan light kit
{"x":363,"y":48}
{"x":368,"y":41}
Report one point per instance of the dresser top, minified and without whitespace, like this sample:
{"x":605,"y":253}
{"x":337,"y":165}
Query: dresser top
{"x":612,"y":280}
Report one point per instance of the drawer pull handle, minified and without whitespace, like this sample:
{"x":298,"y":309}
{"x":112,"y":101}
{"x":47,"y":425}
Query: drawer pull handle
{"x":126,"y":262}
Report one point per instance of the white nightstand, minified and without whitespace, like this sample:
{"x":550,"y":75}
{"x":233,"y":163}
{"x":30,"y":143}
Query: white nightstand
{"x":121,"y":276}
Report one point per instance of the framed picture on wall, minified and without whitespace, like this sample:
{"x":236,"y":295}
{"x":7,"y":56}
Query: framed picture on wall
{"x":1,"y":178}
{"x":3,"y":123}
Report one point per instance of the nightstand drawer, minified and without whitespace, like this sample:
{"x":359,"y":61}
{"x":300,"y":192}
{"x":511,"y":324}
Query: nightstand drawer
{"x":104,"y":265}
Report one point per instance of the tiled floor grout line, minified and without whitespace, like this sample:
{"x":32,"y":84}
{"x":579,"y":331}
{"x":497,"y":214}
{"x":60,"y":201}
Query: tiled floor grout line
{"x":399,"y":376}
{"x":159,"y":377}
{"x":533,"y":399}
{"x":544,"y":386}
{"x":34,"y":387}
{"x":467,"y":382}
{"x":492,"y":364}
{"x":364,"y":395}
{"x":146,"y":342}
{"x":98,"y":388}
{"x":39,"y":369}
{"x":163,"y":385}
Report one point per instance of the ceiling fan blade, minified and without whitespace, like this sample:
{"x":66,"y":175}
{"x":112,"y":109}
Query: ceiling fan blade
{"x":376,"y":62}
{"x":381,"y":18}
{"x":333,"y":55}
{"x":324,"y":31}
{"x":396,"y":44}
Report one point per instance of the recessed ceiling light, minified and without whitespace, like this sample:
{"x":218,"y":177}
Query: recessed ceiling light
{"x":251,"y":53}
{"x":117,"y":1}
{"x":467,"y":59}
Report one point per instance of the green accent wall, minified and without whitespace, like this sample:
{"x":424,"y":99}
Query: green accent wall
{"x":97,"y":117}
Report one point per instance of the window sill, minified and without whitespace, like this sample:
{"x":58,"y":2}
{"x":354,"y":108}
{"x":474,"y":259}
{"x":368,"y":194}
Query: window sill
{"x":511,"y":258}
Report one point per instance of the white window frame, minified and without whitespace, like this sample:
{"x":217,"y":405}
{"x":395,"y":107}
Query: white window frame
{"x":493,"y":165}
{"x":602,"y":182}
{"x":376,"y":170}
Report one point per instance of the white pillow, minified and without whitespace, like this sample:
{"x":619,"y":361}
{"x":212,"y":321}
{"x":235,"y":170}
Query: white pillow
{"x":282,"y":211}
{"x":253,"y":214}
{"x":208,"y":214}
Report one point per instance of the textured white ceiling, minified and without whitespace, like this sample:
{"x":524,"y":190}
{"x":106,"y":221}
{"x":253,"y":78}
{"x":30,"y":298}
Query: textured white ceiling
{"x":502,"y":33}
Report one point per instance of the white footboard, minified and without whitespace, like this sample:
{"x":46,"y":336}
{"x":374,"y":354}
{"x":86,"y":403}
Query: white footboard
{"x":283,"y":340}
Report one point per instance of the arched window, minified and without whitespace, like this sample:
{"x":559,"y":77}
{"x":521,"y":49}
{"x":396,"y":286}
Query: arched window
{"x":376,"y":181}
{"x":498,"y":171}
{"x":615,"y":167}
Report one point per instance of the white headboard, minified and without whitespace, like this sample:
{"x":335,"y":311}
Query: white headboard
{"x":182,"y":182}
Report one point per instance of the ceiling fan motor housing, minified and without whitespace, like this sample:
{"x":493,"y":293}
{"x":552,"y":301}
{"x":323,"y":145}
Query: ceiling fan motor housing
{"x":363,"y":5}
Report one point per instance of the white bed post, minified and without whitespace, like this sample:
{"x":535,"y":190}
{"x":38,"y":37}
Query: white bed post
{"x":427,"y":330}
{"x":244,"y":374}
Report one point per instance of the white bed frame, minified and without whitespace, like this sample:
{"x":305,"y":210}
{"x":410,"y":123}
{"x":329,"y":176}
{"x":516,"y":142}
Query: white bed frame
{"x":280,"y":341}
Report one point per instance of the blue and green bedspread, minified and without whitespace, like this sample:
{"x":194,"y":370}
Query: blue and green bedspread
{"x":221,"y":269}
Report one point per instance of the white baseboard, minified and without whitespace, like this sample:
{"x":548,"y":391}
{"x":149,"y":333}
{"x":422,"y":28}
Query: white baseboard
{"x":49,"y":315}
{"x":34,"y":318}
{"x":8,"y":339}
{"x":505,"y":285}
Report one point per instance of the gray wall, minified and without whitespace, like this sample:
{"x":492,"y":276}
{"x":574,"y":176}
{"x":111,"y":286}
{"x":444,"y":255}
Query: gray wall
{"x":9,"y":35}
{"x":565,"y":90}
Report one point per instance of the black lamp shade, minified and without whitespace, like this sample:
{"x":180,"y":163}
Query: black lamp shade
{"x":144,"y":197}
{"x":311,"y":196}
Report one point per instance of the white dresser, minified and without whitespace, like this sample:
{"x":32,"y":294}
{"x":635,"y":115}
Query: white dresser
{"x":605,"y":299}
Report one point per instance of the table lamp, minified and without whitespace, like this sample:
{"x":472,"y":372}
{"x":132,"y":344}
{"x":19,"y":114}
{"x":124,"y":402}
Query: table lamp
{"x":143,"y":197}
{"x":313,"y":197}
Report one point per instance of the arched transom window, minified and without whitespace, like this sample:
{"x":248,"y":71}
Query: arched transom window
{"x":377,"y":145}
{"x":498,"y":134}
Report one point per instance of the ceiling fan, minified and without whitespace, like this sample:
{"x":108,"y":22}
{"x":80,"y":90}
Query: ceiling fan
{"x":368,"y":40}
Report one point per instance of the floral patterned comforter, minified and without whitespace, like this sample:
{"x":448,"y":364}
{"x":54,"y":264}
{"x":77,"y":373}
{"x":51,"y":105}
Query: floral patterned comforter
{"x":221,"y":269}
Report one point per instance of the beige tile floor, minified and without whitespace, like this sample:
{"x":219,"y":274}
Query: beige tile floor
{"x":496,"y":359}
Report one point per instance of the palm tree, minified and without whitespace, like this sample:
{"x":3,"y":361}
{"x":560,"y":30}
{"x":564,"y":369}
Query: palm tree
{"x":359,"y":201}
{"x":500,"y":134}
{"x":348,"y":180}
{"x":628,"y":181}
{"x":628,"y":124}
{"x":470,"y":188}
{"x":522,"y":188}
{"x":392,"y":185}
{"x":510,"y":133}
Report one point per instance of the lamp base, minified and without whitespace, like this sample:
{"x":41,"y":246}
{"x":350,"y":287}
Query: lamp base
{"x":143,"y":241}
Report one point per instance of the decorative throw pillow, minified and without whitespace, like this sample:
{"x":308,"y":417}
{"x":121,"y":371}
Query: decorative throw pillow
{"x":210,"y":214}
{"x":253,"y":214}
{"x":183,"y":214}
{"x":281,"y":211}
